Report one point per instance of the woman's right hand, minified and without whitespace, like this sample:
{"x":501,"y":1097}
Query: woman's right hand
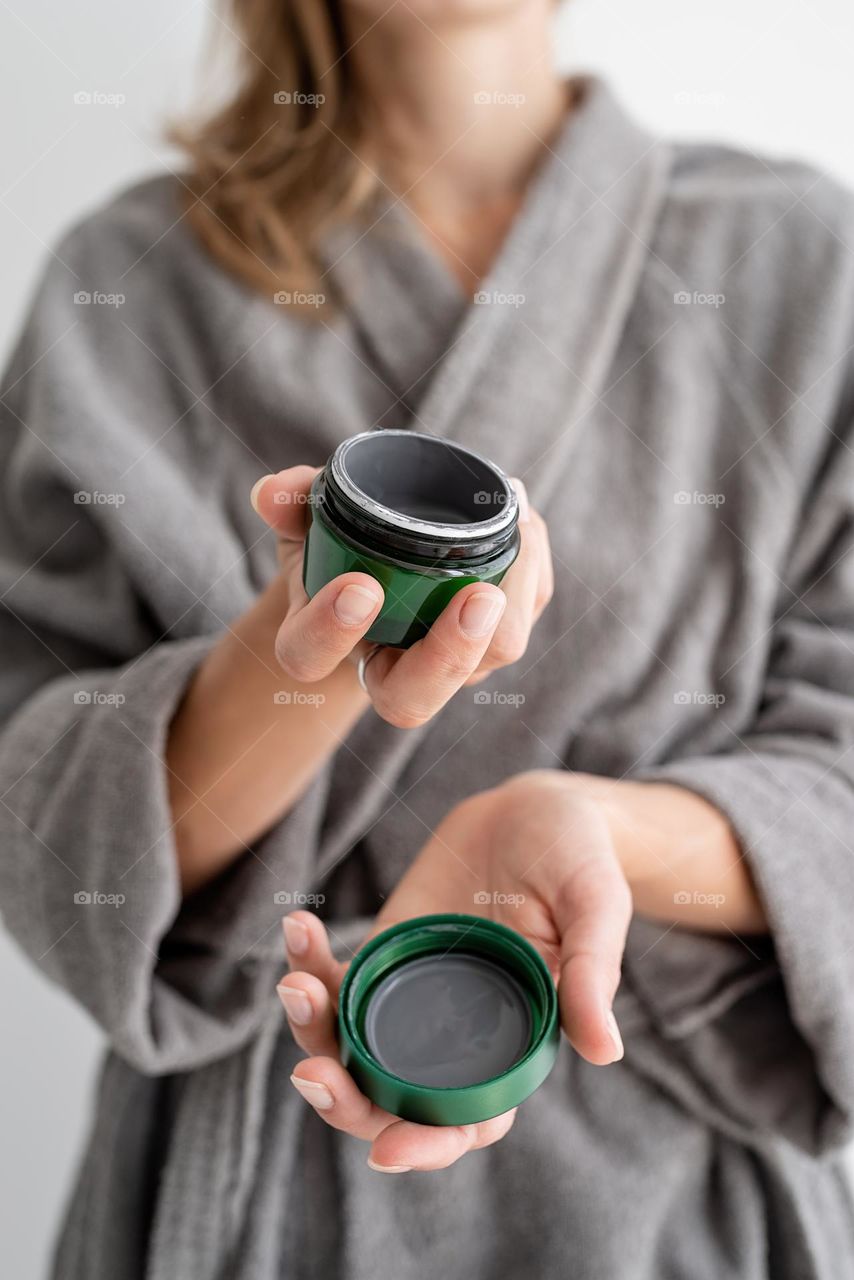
{"x":483,"y":627}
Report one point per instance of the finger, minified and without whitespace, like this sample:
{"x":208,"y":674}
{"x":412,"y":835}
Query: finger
{"x":398,"y":1145}
{"x":308,"y":950}
{"x":490,"y":1131}
{"x":546,"y":584}
{"x":311,"y":1014}
{"x":593,"y":910}
{"x":314,"y":640}
{"x":281,"y":500}
{"x":290,"y":557}
{"x":409,"y":688}
{"x":333,"y":1093}
{"x":525,"y":585}
{"x":522,"y":498}
{"x":532,"y":524}
{"x":405,"y":1146}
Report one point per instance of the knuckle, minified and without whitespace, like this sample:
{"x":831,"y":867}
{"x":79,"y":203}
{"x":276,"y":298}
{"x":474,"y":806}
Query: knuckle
{"x":400,"y":716}
{"x":302,"y":917}
{"x":450,"y":662}
{"x":297,"y":661}
{"x":309,"y":650}
{"x":535,"y":529}
{"x":507,"y":647}
{"x":453,"y":666}
{"x":521,"y":784}
{"x":544,"y":595}
{"x":361,"y":1110}
{"x":623,"y":901}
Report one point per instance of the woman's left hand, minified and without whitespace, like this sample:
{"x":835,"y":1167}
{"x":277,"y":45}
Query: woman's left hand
{"x":535,"y":854}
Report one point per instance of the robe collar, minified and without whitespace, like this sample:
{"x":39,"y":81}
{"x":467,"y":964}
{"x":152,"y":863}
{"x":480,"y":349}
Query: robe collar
{"x":514,"y":372}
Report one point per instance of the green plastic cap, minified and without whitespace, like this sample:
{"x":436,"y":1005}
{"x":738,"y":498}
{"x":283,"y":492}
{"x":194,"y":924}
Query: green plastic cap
{"x":448,"y":1019}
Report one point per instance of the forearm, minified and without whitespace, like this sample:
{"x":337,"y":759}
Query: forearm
{"x":680,"y":856}
{"x":248,"y":740}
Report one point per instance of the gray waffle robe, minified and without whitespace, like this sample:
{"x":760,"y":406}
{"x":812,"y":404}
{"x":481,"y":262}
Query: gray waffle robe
{"x":694,"y":459}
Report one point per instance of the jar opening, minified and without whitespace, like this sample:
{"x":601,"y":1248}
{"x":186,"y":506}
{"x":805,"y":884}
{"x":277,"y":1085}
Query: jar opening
{"x":420,"y":484}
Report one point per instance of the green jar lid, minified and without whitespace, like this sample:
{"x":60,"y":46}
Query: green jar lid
{"x":448,"y":1019}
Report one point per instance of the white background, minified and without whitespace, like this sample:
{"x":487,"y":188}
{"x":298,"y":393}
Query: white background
{"x":772,"y":75}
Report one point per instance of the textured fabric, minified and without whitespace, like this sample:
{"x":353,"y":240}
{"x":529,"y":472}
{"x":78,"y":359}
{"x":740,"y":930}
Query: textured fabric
{"x":694,"y":462}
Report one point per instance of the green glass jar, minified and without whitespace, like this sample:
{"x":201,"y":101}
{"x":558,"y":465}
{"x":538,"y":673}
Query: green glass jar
{"x":423,"y":516}
{"x":448,"y":1019}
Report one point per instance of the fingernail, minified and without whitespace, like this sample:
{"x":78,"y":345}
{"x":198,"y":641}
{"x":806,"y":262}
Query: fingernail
{"x":481,"y":612}
{"x":522,"y":495}
{"x":389,"y":1168}
{"x":317,"y":1095}
{"x":615,"y":1035}
{"x":297,"y":1005}
{"x":256,"y":489}
{"x":354,"y":605}
{"x":296,"y":936}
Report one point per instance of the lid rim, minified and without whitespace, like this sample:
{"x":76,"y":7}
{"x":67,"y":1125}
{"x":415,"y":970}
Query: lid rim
{"x":501,"y":1092}
{"x":438,"y":530}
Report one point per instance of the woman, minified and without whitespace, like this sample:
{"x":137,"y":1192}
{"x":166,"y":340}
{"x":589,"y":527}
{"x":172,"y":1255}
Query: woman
{"x":656,"y":340}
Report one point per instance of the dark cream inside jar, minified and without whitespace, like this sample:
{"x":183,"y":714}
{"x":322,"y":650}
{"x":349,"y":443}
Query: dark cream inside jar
{"x":448,"y":1021}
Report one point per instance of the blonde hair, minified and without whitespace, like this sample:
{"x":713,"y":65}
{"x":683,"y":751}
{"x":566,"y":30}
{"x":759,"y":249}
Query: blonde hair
{"x":278,"y":163}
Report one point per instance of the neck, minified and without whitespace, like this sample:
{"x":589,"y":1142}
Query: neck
{"x":462,"y":109}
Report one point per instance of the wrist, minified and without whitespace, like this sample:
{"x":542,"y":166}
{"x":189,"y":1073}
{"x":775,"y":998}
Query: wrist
{"x":658,"y":829}
{"x":679,"y":854}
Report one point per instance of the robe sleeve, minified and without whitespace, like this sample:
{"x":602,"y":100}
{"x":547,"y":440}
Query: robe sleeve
{"x":760,"y":1033}
{"x":88,"y":874}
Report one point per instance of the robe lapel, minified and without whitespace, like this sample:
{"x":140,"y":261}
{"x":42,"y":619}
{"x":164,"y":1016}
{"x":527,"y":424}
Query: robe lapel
{"x":514,"y":373}
{"x":535,"y":357}
{"x":403,"y":302}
